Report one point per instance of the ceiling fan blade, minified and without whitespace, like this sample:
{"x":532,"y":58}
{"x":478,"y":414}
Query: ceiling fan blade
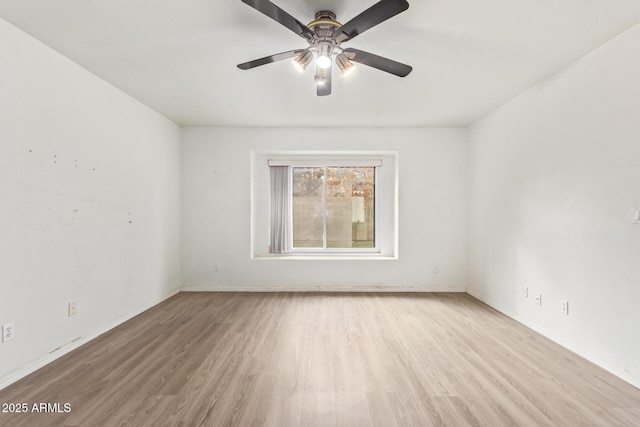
{"x":379,"y":62}
{"x":279,"y":15}
{"x":371,"y":17}
{"x":325,"y":89}
{"x":269,"y":59}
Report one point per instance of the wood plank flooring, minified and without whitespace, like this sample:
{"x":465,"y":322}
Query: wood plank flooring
{"x":323,"y":359}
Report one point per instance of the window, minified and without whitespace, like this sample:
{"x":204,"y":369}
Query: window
{"x":333,"y":207}
{"x":324,"y":205}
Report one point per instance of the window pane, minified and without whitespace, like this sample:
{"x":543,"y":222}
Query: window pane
{"x":350,"y":207}
{"x":308,"y":207}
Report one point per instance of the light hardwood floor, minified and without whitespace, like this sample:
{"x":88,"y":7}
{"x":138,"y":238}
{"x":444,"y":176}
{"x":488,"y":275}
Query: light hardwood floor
{"x":334,"y":359}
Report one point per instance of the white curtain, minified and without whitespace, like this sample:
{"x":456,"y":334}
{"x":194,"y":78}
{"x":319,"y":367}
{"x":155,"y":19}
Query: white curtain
{"x":279,"y":226}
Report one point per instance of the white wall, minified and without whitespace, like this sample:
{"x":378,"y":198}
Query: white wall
{"x":216,"y":200}
{"x":89,"y":203}
{"x":555,"y":177}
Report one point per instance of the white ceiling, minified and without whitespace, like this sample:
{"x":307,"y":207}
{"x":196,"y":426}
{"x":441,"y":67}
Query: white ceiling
{"x":179,"y":57}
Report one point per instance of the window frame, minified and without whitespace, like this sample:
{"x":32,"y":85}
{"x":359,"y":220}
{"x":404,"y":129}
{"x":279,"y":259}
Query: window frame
{"x":387,"y":225}
{"x":376,"y":208}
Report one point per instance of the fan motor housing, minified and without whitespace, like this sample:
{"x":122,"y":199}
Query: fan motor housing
{"x":324,"y":25}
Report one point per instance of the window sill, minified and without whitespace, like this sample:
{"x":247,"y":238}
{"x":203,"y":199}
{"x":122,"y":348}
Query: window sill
{"x":331,"y":257}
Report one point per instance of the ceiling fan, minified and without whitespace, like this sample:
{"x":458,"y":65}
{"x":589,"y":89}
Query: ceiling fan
{"x":325,"y":35}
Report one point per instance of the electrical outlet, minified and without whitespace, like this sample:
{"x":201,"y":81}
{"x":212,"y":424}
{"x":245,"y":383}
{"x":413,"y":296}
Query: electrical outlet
{"x":539,"y":299}
{"x":564,"y":306}
{"x":216,"y":268}
{"x":436,"y":268}
{"x":73,"y":308}
{"x":8,"y":332}
{"x":525,"y":291}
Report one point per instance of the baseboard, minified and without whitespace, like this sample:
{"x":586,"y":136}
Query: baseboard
{"x":22,"y":372}
{"x":325,"y":288}
{"x":618,"y":372}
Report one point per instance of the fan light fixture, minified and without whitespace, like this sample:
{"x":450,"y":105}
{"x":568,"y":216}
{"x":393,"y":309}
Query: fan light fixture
{"x":302,"y":60}
{"x":324,"y":55}
{"x":345,"y":64}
